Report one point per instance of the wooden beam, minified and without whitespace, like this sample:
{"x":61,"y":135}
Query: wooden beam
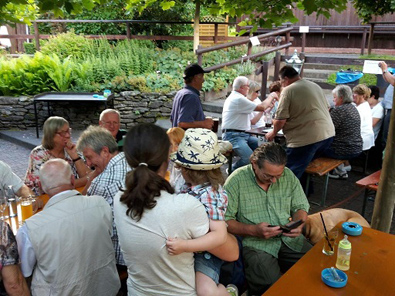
{"x":370,"y":42}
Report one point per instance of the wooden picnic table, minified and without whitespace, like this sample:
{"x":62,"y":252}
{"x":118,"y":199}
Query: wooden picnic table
{"x":371,"y":271}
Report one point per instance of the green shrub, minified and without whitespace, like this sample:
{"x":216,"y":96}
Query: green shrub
{"x":30,"y":48}
{"x":66,"y":44}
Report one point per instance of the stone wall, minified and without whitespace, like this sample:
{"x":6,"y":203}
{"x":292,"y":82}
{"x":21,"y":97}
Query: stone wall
{"x":135,"y":107}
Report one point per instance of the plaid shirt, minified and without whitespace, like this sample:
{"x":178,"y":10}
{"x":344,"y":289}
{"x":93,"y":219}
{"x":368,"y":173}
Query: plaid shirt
{"x":107,"y":184}
{"x":215,"y":202}
{"x":250,"y":204}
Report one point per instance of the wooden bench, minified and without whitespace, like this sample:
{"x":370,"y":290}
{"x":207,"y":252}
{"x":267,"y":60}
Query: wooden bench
{"x":321,"y":167}
{"x":370,"y":183}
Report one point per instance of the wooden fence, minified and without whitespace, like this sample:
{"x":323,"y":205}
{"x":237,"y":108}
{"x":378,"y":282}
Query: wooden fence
{"x":264,"y":68}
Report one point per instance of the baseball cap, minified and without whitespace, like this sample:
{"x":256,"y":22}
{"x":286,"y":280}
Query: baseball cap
{"x":193,"y":70}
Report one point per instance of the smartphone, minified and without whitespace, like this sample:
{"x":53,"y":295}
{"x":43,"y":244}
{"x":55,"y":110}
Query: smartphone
{"x":288,"y":227}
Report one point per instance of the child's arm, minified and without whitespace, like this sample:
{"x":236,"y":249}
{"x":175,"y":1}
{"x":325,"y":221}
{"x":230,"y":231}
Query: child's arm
{"x":214,"y":238}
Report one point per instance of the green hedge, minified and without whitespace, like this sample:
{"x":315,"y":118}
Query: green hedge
{"x":70,"y":62}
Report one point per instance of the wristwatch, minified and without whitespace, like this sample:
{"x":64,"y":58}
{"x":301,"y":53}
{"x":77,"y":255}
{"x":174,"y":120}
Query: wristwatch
{"x":385,"y":72}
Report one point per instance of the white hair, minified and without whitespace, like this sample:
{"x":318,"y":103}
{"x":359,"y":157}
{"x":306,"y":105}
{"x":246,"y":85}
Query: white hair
{"x":239,"y":82}
{"x":54,"y":173}
{"x":108,"y":111}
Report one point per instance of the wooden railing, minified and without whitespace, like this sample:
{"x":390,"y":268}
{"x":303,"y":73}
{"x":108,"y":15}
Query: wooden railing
{"x":371,"y":29}
{"x":264,"y":68}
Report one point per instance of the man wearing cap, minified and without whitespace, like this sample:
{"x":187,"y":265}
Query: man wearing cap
{"x":187,"y":110}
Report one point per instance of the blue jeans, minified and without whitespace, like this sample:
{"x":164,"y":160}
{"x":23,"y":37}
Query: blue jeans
{"x":299,"y":158}
{"x":243,"y":146}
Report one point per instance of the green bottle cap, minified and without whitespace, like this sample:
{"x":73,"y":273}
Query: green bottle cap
{"x":345,"y":243}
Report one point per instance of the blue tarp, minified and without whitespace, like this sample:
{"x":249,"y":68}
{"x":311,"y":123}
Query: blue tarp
{"x":347,"y":77}
{"x":392,"y":70}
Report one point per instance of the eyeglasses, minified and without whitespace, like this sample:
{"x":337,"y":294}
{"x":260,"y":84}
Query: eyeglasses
{"x":110,"y":122}
{"x":64,"y":133}
{"x":270,"y":177}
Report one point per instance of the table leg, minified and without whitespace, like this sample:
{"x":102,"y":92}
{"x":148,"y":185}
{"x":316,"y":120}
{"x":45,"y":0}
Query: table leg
{"x":36,"y":118}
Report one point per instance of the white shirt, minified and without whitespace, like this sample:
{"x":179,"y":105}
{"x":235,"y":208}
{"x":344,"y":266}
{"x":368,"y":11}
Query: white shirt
{"x":366,"y":125}
{"x":236,"y":111}
{"x":377,"y":112}
{"x":151,"y":270}
{"x":261,"y":122}
{"x":7,"y":177}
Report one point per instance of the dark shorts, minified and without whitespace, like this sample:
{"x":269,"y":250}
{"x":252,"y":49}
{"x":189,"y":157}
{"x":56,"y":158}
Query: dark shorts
{"x":209,"y":265}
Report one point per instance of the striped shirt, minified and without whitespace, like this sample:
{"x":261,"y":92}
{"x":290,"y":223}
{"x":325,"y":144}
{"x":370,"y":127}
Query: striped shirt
{"x":250,"y":204}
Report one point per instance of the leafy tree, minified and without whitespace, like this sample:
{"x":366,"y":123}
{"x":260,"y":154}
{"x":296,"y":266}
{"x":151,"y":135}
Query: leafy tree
{"x":367,"y":8}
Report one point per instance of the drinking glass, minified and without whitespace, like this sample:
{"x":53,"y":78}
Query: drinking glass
{"x":332,"y":236}
{"x":28,"y":207}
{"x":12,"y":200}
{"x":3,"y":203}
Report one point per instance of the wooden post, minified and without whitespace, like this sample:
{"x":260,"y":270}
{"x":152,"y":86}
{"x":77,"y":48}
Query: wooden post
{"x":363,"y":41}
{"x":287,"y":39}
{"x":215,"y":33}
{"x":200,"y":56}
{"x":277,"y":61}
{"x":36,"y":36}
{"x":264,"y":72}
{"x":303,"y":42}
{"x":370,"y":42}
{"x":128,"y":31}
{"x":385,"y":197}
{"x":196,"y":24}
{"x":249,"y":48}
{"x":302,"y":57}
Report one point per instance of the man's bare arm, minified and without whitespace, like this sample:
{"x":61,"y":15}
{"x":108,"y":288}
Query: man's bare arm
{"x":207,"y":123}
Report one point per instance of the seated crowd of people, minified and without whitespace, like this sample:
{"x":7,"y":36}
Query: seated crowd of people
{"x":157,"y":206}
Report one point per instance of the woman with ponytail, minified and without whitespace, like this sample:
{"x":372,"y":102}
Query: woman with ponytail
{"x":148,"y":212}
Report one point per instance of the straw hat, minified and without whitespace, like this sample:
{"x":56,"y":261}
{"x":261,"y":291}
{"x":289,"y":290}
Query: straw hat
{"x":199,"y":150}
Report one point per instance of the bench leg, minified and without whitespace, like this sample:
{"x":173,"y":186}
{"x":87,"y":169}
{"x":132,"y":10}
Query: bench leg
{"x":365,"y":199}
{"x":324,"y":192}
{"x":307,"y":184}
{"x":230,"y":159}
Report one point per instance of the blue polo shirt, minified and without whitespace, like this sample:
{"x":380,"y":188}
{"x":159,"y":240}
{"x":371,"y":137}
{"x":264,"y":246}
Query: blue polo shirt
{"x":186,"y":106}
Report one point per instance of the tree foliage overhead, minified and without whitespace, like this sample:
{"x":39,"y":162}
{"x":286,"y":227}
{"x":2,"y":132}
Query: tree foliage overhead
{"x":367,"y":8}
{"x":260,"y":13}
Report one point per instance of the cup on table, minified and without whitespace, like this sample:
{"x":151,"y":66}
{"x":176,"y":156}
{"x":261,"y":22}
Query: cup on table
{"x":332,"y":236}
{"x":215,"y":126}
{"x":28,"y":207}
{"x":106,"y":93}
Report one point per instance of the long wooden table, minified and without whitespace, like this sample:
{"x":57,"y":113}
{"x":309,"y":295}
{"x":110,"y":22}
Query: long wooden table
{"x":372,"y":268}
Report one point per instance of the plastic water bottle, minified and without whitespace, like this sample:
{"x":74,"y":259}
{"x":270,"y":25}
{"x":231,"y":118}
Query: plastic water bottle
{"x":344,"y":254}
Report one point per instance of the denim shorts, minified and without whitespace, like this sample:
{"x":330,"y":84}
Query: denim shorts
{"x":209,"y":265}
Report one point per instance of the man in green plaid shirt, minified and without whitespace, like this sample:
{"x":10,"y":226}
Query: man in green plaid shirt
{"x":262,"y":196}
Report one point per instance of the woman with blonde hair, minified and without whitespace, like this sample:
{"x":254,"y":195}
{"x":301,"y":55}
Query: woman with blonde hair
{"x":361,"y":94}
{"x":56,"y":143}
{"x":175,"y":134}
